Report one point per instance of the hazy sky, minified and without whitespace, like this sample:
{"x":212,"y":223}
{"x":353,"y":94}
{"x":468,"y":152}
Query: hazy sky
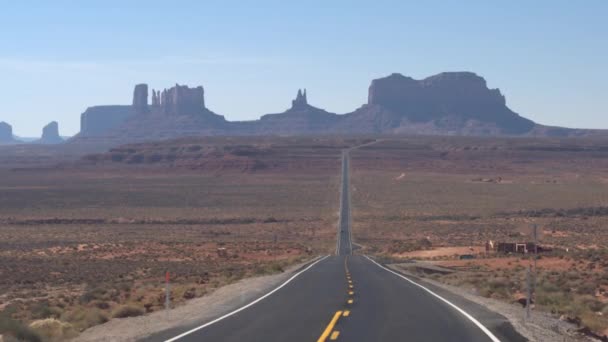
{"x":549,"y":58}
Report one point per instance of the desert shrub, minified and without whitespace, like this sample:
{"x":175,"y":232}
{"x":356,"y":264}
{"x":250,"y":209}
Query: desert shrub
{"x":82,"y":318}
{"x":547,"y":286}
{"x":276,"y":267}
{"x":593,"y":321}
{"x":496,"y":287}
{"x":271,"y":268}
{"x":96,"y":293}
{"x":100,"y":304}
{"x":43,"y":310}
{"x":127,"y":311}
{"x":586,"y":288}
{"x":18,"y":330}
{"x":593,"y":304}
{"x":556,"y":302}
{"x":53,"y":330}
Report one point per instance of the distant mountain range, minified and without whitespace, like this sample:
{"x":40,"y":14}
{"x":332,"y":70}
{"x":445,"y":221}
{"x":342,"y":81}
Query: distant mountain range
{"x":449,"y":103}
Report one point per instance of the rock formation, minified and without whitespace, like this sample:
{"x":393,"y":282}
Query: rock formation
{"x":301,"y":118}
{"x":452,"y":102}
{"x":155,"y":98}
{"x":174,"y":102}
{"x":182,"y":100}
{"x":140,"y":98}
{"x":6,"y":133}
{"x":50,"y":134}
{"x":99,"y":120}
{"x":300,"y":100}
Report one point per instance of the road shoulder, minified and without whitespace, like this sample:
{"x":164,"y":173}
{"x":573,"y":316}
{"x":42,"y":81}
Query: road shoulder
{"x":504,"y":319}
{"x":193,"y":313}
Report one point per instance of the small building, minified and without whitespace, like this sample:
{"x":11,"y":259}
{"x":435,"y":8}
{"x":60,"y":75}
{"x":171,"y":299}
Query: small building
{"x":519,"y":247}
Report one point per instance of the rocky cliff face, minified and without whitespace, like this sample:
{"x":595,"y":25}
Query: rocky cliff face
{"x":140,"y":98}
{"x":99,"y":120}
{"x":458,"y":102}
{"x":50,"y":134}
{"x":175,"y":112}
{"x":180,"y":100}
{"x":6,"y":133}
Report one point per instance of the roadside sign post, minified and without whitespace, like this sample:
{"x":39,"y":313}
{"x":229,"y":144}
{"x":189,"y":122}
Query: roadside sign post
{"x":167,"y":292}
{"x":529,"y":294}
{"x":535,"y":232}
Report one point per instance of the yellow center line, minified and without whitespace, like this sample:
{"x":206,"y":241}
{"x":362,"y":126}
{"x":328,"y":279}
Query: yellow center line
{"x":330,"y":327}
{"x":334,"y":335}
{"x":346,"y":313}
{"x":350,"y":301}
{"x":350,"y":293}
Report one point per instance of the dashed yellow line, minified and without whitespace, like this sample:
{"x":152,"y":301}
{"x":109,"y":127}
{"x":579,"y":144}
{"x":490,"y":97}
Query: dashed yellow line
{"x":330,"y":327}
{"x":329,"y":331}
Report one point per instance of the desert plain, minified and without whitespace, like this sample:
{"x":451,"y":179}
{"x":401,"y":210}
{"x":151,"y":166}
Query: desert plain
{"x":89,"y":238}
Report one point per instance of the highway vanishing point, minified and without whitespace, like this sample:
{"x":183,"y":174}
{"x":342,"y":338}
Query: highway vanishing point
{"x":350,"y":297}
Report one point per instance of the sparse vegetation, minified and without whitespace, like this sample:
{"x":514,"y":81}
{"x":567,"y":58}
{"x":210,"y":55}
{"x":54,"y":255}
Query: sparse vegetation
{"x":127,"y":311}
{"x":83,"y":245}
{"x":462,"y":192}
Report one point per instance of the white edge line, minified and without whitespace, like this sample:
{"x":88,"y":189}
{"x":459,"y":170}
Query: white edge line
{"x":464,"y":313}
{"x":246,"y":306}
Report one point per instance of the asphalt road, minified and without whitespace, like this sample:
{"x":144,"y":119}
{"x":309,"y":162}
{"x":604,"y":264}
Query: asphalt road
{"x":344,"y":241}
{"x":348,"y":297}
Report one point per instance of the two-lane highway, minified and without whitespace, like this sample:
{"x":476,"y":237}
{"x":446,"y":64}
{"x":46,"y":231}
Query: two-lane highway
{"x":344,"y":240}
{"x":349,"y":297}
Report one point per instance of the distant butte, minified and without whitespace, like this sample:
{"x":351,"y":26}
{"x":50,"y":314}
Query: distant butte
{"x":50,"y":134}
{"x":6,"y":133}
{"x":449,"y":103}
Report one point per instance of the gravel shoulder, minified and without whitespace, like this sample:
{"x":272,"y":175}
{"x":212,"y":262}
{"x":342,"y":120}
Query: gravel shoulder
{"x":195,"y":312}
{"x":540,"y":327}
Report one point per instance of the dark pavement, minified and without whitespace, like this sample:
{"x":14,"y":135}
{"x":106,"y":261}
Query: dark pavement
{"x":367,"y":302}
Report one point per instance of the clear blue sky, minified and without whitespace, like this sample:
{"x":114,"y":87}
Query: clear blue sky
{"x":550,"y":58}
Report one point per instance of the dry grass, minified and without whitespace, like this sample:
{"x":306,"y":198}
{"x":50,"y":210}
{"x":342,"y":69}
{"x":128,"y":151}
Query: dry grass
{"x":83,"y":245}
{"x":438,"y":198}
